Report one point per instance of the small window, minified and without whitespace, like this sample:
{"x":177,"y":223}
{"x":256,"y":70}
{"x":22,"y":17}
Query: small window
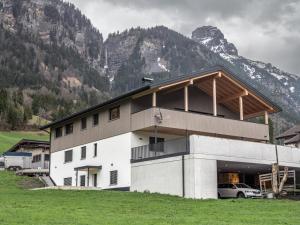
{"x":36,"y":158}
{"x":95,"y":119}
{"x":114,"y":177}
{"x":47,"y":157}
{"x":68,"y":181}
{"x":58,"y":132}
{"x":69,"y":128}
{"x":68,"y":156}
{"x":82,"y":180}
{"x":83,"y":123}
{"x":114,"y":113}
{"x":95,"y":149}
{"x":156,"y":144}
{"x":83,"y":152}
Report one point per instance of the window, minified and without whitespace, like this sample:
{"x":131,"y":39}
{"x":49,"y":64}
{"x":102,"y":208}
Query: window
{"x":95,"y":149}
{"x":158,"y":146}
{"x":83,"y":152}
{"x":47,"y":157}
{"x":95,"y":119}
{"x":69,"y":128}
{"x":36,"y":158}
{"x":114,"y":113}
{"x":114,"y":177}
{"x":83,"y":123}
{"x":68,"y":181}
{"x":68,"y":156}
{"x":82,"y":180}
{"x":58,"y":132}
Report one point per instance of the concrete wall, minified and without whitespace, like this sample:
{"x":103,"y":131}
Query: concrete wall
{"x":242,"y":151}
{"x":165,"y":175}
{"x":113,"y":154}
{"x":162,"y":175}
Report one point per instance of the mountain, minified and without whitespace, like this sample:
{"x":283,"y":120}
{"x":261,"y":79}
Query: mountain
{"x":156,"y":52}
{"x":54,"y":62}
{"x":162,"y":53}
{"x":282,"y":87}
{"x":50,"y":54}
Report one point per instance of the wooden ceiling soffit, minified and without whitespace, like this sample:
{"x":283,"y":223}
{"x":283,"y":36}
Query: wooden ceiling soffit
{"x":243,"y":88}
{"x":230,"y":98}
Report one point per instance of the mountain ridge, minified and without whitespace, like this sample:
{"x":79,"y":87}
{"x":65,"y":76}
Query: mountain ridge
{"x":63,"y":64}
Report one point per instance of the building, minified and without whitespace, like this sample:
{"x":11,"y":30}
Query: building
{"x":39,"y":150}
{"x":291,"y":137}
{"x":178,"y":137}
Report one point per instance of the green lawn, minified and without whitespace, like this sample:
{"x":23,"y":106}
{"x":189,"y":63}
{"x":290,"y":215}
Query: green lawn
{"x":8,"y":139}
{"x":20,"y":206}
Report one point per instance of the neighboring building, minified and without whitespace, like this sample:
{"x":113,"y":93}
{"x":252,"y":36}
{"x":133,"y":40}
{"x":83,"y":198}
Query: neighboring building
{"x":180,"y":137}
{"x":39,"y":150}
{"x":291,"y":137}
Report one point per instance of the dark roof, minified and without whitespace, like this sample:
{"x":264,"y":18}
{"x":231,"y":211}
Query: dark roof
{"x":88,"y":167}
{"x":290,"y":132}
{"x":127,"y":95}
{"x":29,"y":142}
{"x":25,"y":154}
{"x":293,"y":140}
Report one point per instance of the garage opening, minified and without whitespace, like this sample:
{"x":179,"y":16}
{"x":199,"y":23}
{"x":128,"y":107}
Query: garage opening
{"x":249,"y":174}
{"x":238,"y":172}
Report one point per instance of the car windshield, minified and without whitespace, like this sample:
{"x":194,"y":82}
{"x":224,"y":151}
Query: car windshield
{"x":242,"y":186}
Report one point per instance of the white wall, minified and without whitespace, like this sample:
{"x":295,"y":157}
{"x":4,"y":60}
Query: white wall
{"x":165,"y":175}
{"x":162,"y":175}
{"x":113,"y":154}
{"x":242,"y":151}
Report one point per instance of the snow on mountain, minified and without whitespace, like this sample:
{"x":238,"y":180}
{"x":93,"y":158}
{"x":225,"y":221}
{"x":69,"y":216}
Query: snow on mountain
{"x":279,"y":85}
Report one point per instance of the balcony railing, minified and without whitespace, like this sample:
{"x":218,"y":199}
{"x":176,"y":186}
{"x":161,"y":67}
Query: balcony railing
{"x":160,"y":150}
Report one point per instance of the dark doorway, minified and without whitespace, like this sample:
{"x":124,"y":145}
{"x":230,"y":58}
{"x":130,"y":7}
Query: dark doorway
{"x":95,"y":180}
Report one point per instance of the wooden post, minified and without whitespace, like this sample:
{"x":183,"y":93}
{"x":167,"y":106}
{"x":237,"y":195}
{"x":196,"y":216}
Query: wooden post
{"x":215,"y":97}
{"x":241,"y":108}
{"x":154,"y":99}
{"x":266,"y":117}
{"x":186,"y":98}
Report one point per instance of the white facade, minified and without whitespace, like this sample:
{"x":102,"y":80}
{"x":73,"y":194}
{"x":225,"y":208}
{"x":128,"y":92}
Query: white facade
{"x":113,"y":154}
{"x":200,"y":166}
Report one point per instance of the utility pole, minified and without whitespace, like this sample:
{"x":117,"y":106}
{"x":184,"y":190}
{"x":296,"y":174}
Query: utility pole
{"x":277,"y":93}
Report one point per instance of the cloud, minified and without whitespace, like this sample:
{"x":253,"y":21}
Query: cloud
{"x":261,"y":29}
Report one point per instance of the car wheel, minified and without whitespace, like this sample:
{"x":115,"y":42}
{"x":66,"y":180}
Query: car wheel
{"x":241,"y":195}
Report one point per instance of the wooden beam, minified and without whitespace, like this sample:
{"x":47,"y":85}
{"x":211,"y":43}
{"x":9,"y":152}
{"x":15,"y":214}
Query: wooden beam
{"x":204,"y":76}
{"x":230,"y":98}
{"x":248,"y":116}
{"x":215,"y":97}
{"x":241,"y":108}
{"x":174,"y":84}
{"x":154,"y":99}
{"x":243,"y":88}
{"x":266,"y":117}
{"x":186,"y":98}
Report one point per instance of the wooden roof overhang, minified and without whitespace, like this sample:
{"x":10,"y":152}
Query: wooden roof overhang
{"x":228,"y":92}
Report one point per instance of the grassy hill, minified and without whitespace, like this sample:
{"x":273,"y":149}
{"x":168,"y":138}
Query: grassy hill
{"x":21,"y":206}
{"x":8,"y":139}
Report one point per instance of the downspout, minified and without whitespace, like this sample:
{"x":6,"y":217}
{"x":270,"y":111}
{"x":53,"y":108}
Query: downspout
{"x":183,"y":163}
{"x":183,"y":176}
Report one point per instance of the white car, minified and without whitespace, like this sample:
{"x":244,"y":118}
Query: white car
{"x":237,"y":191}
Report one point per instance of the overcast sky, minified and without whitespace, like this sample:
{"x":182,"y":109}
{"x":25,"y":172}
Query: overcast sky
{"x":267,"y":30}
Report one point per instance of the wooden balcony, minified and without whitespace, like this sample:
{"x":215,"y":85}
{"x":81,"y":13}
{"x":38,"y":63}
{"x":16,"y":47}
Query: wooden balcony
{"x":173,"y":121}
